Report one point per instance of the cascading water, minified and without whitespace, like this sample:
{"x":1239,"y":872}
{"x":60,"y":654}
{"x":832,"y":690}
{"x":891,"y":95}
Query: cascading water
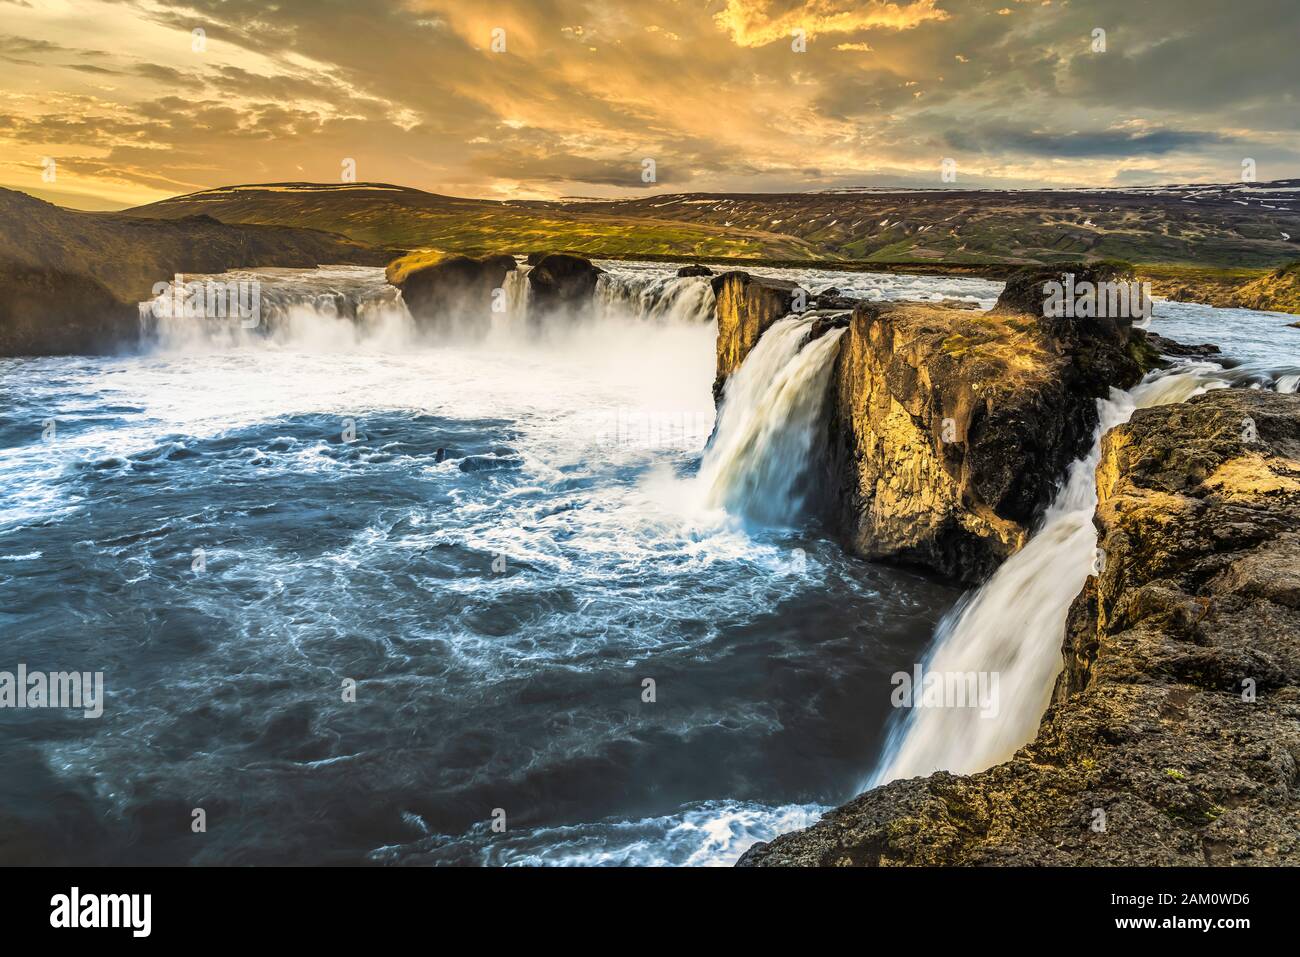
{"x":770,"y":416}
{"x":1013,"y":625}
{"x":331,"y":308}
{"x":511,"y":324}
{"x":654,"y":298}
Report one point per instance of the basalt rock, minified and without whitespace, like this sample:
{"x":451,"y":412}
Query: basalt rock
{"x":561,"y":283}
{"x":951,"y":428}
{"x":451,"y":292}
{"x":1169,"y":347}
{"x":745,"y":306}
{"x":1174,"y":734}
{"x":50,"y":312}
{"x":695,"y":269}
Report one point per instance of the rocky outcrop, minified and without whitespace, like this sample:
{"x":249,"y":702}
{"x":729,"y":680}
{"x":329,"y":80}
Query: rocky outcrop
{"x":1174,"y":734}
{"x":49,"y":312}
{"x":448,"y":292}
{"x":695,"y":269}
{"x":745,"y":307}
{"x":560,"y":283}
{"x":950,"y":428}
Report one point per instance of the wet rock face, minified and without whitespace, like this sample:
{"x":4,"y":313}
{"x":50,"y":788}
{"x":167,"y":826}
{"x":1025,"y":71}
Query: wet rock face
{"x":51,"y":312}
{"x":561,"y":283}
{"x":1174,"y":733}
{"x":745,"y":306}
{"x":456,"y":291}
{"x":951,"y":428}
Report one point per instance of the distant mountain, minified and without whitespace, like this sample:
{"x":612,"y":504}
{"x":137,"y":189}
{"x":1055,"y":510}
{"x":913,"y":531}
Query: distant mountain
{"x":1237,"y":225}
{"x":127,"y":254}
{"x":1240,"y":225}
{"x":400,"y":216}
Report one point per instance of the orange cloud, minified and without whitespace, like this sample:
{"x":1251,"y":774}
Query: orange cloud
{"x":751,"y":23}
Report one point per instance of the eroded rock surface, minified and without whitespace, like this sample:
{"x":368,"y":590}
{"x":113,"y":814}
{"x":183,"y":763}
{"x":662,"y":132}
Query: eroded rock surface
{"x":745,"y":306}
{"x":1174,"y":736}
{"x":949,"y":428}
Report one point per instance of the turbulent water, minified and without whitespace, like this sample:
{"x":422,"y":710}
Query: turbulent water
{"x":501,"y":543}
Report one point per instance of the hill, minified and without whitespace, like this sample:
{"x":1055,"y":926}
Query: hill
{"x":127,"y":254}
{"x":382,"y":214}
{"x":1246,"y":225}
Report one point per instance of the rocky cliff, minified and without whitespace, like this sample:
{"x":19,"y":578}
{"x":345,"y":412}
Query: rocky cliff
{"x":949,"y":427}
{"x":1174,"y":736}
{"x":67,"y":278}
{"x":49,"y":312}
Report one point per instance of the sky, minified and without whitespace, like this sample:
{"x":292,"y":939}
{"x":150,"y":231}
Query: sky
{"x":106,"y":104}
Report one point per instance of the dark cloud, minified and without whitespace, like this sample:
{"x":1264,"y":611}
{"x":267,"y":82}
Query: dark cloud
{"x":1081,"y":144}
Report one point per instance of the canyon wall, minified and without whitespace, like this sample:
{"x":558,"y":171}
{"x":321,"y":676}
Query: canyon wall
{"x":1174,"y":735}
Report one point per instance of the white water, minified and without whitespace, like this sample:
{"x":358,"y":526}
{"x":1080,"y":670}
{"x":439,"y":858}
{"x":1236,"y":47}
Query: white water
{"x":657,"y":298}
{"x":1013,"y":626}
{"x":770,"y":417}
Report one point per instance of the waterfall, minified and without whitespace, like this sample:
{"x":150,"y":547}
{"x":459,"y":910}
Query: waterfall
{"x":329,"y":308}
{"x":1013,"y":626}
{"x":771,"y":414}
{"x":654,"y":298}
{"x":513,"y":322}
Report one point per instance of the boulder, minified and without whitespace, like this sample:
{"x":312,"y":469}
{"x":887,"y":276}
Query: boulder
{"x":561,"y":284}
{"x":449,"y":292}
{"x":694,"y":269}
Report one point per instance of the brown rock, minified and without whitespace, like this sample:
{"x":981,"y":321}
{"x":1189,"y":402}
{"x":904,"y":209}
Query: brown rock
{"x":1174,"y":735}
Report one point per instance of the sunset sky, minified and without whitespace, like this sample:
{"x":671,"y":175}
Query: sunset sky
{"x":132,"y":106}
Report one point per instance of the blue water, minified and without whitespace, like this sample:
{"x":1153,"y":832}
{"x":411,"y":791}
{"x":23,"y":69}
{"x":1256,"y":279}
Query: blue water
{"x":498,"y":543}
{"x":507,"y":548}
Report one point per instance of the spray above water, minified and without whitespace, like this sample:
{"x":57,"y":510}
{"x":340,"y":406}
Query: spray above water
{"x":770,"y":418}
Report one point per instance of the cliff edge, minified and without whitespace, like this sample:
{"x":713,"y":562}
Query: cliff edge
{"x":1174,"y":734}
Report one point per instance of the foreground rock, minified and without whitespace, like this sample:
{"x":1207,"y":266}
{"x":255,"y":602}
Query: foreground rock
{"x":560,"y":284}
{"x":449,"y":292}
{"x":1174,"y":736}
